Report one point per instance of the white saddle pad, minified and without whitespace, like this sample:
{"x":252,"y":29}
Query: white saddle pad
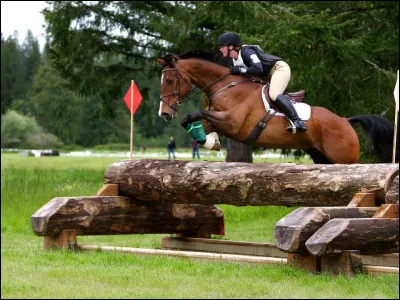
{"x":303,"y":109}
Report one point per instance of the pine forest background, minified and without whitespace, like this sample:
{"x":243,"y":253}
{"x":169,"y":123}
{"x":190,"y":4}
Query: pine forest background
{"x":345,"y":54}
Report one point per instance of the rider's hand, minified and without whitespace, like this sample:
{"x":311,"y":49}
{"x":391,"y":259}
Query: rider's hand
{"x":236,"y":70}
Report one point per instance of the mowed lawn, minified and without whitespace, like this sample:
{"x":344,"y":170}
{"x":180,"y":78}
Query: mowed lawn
{"x":27,"y":271}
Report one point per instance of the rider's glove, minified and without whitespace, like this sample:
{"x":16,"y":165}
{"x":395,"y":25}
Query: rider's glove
{"x":236,"y":70}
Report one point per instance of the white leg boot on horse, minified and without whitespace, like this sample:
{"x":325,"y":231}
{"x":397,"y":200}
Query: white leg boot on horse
{"x":212,"y":142}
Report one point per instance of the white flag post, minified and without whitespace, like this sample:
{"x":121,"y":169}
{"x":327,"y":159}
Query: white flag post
{"x":132,"y":82}
{"x":396,"y":99}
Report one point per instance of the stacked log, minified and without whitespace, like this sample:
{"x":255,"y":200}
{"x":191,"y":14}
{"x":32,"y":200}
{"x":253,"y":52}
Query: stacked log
{"x":97,"y":215}
{"x":160,"y":196}
{"x":292,"y":231}
{"x":332,"y":239}
{"x":242,"y":184}
{"x":368,"y":235}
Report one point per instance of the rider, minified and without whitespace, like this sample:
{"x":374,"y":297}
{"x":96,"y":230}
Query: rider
{"x":250,"y":59}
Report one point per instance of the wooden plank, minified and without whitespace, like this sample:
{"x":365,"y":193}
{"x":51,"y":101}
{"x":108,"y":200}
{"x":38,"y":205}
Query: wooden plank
{"x":216,"y":256}
{"x":384,"y":260}
{"x":258,"y":249}
{"x":108,"y":190}
{"x":363,"y":200}
{"x":387,"y":211}
{"x":379,"y":270}
{"x":222,"y":246}
{"x":189,"y":254}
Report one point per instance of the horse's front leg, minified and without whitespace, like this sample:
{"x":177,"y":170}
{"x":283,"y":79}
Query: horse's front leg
{"x":205,"y":135}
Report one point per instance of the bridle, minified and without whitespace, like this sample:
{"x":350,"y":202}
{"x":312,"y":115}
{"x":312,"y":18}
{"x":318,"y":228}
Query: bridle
{"x":176,"y":89}
{"x":191,"y":94}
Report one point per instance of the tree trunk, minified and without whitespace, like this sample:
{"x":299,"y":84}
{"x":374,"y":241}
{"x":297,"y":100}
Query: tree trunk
{"x":246,"y":184}
{"x":238,"y":152}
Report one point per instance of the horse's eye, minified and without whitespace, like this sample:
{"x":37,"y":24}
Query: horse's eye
{"x":169,"y":81}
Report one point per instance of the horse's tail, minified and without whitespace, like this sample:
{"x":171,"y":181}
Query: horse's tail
{"x":380,"y":133}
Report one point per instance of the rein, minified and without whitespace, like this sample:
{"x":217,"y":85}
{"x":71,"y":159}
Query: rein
{"x":191,"y":94}
{"x":233,"y":83}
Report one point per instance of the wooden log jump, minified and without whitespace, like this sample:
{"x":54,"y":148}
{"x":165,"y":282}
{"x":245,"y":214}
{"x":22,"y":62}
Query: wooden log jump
{"x":247,"y":184}
{"x":159,"y":196}
{"x":292,"y":231}
{"x":368,"y":235}
{"x":97,"y":215}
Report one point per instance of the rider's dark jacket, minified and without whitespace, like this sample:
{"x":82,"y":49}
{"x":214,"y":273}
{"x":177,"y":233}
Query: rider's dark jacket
{"x":253,"y":61}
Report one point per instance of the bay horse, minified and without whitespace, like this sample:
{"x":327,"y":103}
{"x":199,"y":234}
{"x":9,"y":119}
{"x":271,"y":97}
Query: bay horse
{"x":234,"y":107}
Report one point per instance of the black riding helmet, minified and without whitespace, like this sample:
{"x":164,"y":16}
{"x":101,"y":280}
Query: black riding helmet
{"x":229,"y":38}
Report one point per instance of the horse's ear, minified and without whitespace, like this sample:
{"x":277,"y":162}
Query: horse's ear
{"x":160,"y":61}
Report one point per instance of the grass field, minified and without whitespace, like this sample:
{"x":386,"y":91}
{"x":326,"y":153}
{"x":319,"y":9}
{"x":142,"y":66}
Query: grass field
{"x":27,"y":271}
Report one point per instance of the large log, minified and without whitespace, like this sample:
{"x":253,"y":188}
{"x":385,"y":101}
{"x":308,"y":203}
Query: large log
{"x":246,"y":184}
{"x":369,"y":235}
{"x":292,"y":231}
{"x":392,"y":195}
{"x":98,"y":215}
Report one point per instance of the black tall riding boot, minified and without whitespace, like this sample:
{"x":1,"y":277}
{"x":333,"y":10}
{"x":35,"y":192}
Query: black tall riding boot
{"x":287,"y":107}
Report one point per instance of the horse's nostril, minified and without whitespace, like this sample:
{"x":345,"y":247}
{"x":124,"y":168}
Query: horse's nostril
{"x":166,"y":116}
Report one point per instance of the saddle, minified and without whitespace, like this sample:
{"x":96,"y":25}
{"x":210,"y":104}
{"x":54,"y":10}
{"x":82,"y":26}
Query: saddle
{"x":303,"y":110}
{"x":293,"y":96}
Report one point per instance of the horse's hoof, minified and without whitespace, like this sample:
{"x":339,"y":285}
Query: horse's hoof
{"x":217,"y":146}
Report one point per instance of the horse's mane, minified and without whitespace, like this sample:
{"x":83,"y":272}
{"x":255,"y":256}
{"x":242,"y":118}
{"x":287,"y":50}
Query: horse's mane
{"x":216,"y":58}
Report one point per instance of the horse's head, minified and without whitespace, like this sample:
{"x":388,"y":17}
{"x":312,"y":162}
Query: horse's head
{"x":175,"y":85}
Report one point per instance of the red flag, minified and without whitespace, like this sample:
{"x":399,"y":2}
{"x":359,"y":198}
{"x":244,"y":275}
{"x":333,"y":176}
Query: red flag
{"x":137,"y":98}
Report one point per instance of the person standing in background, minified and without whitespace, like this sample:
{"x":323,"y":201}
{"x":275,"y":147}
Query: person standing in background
{"x":171,"y":148}
{"x":195,"y":148}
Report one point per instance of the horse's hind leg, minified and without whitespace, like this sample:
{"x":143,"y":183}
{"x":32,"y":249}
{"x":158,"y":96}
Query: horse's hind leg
{"x":334,"y":137}
{"x":341,"y":149}
{"x":317,"y":156}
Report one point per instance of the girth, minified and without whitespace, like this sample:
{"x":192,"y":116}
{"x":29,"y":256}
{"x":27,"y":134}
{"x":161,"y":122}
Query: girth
{"x":294,"y":96}
{"x":251,"y":139}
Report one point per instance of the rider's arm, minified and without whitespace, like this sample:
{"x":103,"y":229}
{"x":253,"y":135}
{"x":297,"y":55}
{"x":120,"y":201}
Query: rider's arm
{"x":253,"y":63}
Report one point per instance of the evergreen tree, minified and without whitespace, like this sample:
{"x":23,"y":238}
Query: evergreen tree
{"x":344,"y":54}
{"x":32,"y":56}
{"x":12,"y":73}
{"x":57,"y":109}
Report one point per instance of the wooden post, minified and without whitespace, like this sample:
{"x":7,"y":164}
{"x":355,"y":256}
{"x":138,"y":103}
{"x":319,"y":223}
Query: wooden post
{"x":307,"y":262}
{"x":65,"y":239}
{"x":132,"y":83}
{"x":347,"y":263}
